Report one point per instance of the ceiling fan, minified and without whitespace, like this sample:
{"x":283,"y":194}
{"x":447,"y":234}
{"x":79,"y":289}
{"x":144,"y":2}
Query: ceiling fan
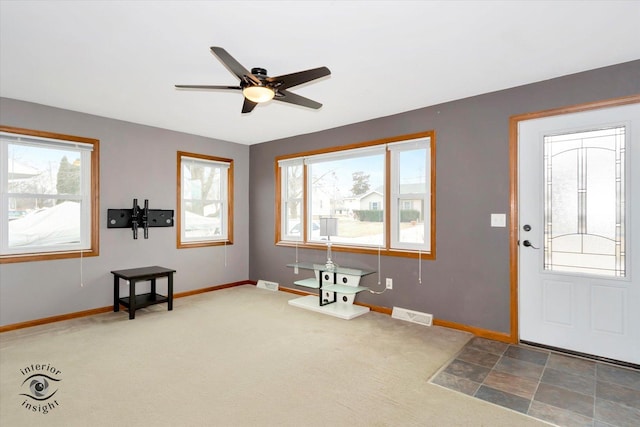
{"x":257,"y":86}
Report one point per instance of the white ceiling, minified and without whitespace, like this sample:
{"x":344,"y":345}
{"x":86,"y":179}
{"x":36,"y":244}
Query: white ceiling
{"x":121,"y":59}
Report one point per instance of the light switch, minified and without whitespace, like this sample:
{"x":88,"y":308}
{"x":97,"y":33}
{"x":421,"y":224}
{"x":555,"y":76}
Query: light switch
{"x":498,"y":220}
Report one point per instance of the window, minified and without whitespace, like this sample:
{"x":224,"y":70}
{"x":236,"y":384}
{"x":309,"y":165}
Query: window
{"x":410,"y":192}
{"x":291,"y":199}
{"x":48,"y":206}
{"x":584,"y":202}
{"x":381,"y":192}
{"x":347,"y":184}
{"x":205,"y":188}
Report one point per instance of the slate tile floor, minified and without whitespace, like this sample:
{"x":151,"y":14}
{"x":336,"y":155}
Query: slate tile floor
{"x":559,"y":389}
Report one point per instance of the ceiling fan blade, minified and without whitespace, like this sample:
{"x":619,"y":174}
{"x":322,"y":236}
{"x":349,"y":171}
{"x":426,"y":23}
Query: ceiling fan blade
{"x":248,"y":106}
{"x":207,"y":87}
{"x":234,"y":66}
{"x":289,"y":80}
{"x":292,"y":98}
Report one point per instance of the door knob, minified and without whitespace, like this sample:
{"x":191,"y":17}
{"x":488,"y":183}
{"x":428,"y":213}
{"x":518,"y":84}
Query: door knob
{"x":528,"y":244}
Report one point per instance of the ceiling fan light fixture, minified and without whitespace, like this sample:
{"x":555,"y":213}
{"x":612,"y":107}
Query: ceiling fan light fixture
{"x":257,"y":87}
{"x":258,"y":93}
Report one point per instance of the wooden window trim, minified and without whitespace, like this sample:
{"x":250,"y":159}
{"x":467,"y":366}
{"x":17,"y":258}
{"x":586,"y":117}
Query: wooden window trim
{"x":94,"y":249}
{"x":387,"y":250}
{"x":229,"y":241}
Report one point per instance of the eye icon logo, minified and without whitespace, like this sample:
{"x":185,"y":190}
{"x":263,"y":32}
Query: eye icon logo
{"x":39,"y":387}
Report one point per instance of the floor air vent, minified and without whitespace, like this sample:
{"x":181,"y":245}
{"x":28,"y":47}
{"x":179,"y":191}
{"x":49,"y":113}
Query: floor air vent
{"x":270,"y":286}
{"x":424,"y":319}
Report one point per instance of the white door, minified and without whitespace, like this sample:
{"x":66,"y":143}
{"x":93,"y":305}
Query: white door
{"x":579,"y":237}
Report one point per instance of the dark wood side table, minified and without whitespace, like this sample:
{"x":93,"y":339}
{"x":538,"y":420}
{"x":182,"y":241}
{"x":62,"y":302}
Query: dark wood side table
{"x":134,"y":275}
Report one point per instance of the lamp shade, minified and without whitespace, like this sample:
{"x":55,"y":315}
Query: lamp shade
{"x":258,"y":93}
{"x":328,"y":226}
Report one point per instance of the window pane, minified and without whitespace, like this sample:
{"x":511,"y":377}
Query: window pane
{"x":198,"y":226}
{"x":292,"y":191}
{"x":411,"y":221}
{"x":413,"y":176}
{"x":48,"y":205}
{"x":584,"y":202}
{"x":410,"y":192}
{"x":351,"y":190}
{"x":43,"y":170}
{"x":201,"y":184}
{"x":54,"y":222}
{"x":205,"y":205}
{"x":564,"y":194}
{"x":293,"y":217}
{"x":601,"y":187}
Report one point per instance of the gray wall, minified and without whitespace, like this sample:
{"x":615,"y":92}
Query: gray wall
{"x":135,"y":161}
{"x":468,"y":283}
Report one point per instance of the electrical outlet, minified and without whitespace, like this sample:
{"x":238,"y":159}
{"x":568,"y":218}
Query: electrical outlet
{"x":389,"y":283}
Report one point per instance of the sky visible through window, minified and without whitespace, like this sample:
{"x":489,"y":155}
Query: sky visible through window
{"x":342,"y":172}
{"x":413,"y":171}
{"x":31,"y":160}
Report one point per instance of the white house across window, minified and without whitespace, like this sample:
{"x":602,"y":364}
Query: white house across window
{"x":374,"y":211}
{"x":204,"y":192}
{"x":47,"y":198}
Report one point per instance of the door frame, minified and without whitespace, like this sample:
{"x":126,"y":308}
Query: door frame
{"x":514,"y":227}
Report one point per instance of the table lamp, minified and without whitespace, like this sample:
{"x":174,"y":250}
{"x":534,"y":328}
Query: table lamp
{"x":328,"y":228}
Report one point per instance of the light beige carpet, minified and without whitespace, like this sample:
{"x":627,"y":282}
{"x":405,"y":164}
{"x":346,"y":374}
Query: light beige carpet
{"x":239,"y":357}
